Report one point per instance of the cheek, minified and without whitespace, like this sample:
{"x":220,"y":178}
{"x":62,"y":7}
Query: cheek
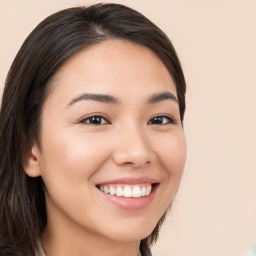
{"x":73,"y":156}
{"x":68,"y":163}
{"x":172,"y":155}
{"x":172,"y":152}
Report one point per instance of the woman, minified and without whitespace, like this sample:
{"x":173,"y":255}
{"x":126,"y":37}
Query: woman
{"x":92,"y":144}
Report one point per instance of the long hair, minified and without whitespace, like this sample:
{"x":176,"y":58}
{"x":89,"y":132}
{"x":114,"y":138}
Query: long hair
{"x":50,"y":44}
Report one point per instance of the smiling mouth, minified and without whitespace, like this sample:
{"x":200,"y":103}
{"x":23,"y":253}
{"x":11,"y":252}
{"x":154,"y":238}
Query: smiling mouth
{"x":127,"y":190}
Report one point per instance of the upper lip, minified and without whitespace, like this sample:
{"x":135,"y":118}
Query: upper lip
{"x":130,"y":180}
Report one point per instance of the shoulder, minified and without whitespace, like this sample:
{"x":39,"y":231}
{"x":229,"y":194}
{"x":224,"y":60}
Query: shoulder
{"x":251,"y":251}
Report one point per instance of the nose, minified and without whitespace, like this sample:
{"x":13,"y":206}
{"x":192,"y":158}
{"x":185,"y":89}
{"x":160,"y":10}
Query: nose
{"x":133,"y":148}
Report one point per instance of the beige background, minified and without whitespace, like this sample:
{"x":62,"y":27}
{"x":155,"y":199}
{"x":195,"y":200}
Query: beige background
{"x":215,"y":210}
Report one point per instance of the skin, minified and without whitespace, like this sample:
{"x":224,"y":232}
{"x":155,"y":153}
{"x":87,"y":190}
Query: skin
{"x":75,"y":155}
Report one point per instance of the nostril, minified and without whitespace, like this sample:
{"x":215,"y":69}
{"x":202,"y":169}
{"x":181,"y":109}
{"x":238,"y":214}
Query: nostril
{"x":132,"y":157}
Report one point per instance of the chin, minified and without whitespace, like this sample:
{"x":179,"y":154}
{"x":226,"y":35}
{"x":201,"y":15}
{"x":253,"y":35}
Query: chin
{"x":131,"y":234}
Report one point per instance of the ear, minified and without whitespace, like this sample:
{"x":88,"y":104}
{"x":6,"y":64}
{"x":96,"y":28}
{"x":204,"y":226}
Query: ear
{"x":31,"y":165}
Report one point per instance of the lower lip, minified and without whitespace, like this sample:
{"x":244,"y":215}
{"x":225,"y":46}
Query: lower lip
{"x":131,"y":203}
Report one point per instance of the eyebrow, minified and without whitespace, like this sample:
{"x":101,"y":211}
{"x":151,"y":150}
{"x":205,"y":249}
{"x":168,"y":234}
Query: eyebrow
{"x":104,"y":98}
{"x":95,"y":97}
{"x":158,"y":97}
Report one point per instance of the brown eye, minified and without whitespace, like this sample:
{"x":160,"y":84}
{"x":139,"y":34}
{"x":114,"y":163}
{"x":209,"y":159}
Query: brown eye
{"x":161,"y":120}
{"x":95,"y":120}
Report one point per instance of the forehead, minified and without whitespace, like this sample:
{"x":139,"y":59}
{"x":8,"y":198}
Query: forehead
{"x":114,"y":67}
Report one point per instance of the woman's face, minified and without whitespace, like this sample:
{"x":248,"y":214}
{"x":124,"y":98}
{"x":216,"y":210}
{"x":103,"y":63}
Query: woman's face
{"x":111,"y":123}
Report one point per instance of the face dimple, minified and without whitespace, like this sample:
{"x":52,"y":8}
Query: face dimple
{"x":114,"y":80}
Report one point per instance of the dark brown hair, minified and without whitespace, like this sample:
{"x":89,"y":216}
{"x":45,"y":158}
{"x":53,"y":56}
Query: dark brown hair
{"x":50,"y":44}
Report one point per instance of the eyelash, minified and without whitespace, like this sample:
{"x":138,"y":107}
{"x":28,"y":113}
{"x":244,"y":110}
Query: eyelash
{"x":99,"y":118}
{"x":169,"y":119}
{"x":95,"y":118}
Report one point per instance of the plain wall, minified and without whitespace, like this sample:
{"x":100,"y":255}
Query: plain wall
{"x":215,"y":210}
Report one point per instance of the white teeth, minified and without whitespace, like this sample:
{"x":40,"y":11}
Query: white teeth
{"x":148,"y":190}
{"x":143,"y":191}
{"x":127,"y":191}
{"x":119,"y":191}
{"x":136,"y":192}
{"x":106,"y":190}
{"x":112,"y":191}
